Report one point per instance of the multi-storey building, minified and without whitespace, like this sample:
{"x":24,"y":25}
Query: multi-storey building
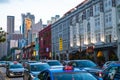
{"x":89,"y":29}
{"x":45,"y":43}
{"x":118,"y":25}
{"x":26,"y":29}
{"x":27,"y":21}
{"x":10,"y":24}
{"x":10,"y":31}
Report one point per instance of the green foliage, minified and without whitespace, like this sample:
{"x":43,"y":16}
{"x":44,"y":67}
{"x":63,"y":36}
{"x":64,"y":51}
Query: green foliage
{"x":2,"y":35}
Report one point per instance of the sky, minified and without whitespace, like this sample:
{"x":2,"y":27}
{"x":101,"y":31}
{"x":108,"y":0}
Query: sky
{"x":41,"y":9}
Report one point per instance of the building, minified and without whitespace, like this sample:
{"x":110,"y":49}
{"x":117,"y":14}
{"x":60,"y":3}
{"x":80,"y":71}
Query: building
{"x":88,"y":30}
{"x":26,"y":29}
{"x":27,"y":21}
{"x":10,"y":30}
{"x":45,"y":43}
{"x":118,"y":25}
{"x":10,"y":24}
{"x":35,"y":29}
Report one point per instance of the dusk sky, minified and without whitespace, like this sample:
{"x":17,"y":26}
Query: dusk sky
{"x":41,"y":9}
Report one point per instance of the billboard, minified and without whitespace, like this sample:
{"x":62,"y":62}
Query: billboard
{"x":13,"y":43}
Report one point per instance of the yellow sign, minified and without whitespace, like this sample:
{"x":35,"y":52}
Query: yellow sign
{"x":60,"y":44}
{"x":28,"y":23}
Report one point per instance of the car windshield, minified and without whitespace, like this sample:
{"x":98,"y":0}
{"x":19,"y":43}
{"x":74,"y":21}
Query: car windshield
{"x":54,"y":63}
{"x":16,"y":66}
{"x":39,"y":67}
{"x":86,"y":64}
{"x":73,"y":76}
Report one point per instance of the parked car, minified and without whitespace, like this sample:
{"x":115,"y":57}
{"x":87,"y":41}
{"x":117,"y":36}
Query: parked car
{"x":87,"y":65}
{"x":112,"y":71}
{"x":66,"y":73}
{"x":33,"y":69}
{"x":14,"y":69}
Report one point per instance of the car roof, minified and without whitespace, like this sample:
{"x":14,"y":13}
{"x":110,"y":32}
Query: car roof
{"x":80,"y":60}
{"x":115,"y":63}
{"x":36,"y":63}
{"x":55,"y":70}
{"x":51,"y":60}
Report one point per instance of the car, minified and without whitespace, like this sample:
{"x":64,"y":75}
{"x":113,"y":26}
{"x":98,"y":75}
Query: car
{"x":54,"y":63}
{"x":106,"y":64}
{"x":2,"y":63}
{"x":25,"y":62}
{"x":65,"y":62}
{"x":14,"y":69}
{"x":112,"y":71}
{"x":87,"y":65}
{"x":33,"y":69}
{"x":66,"y":73}
{"x":117,"y":76}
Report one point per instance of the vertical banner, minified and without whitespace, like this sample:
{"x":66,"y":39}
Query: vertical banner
{"x":60,"y":44}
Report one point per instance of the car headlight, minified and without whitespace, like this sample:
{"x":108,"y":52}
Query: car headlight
{"x":33,"y":76}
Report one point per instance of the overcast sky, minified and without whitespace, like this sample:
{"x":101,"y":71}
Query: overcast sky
{"x":42,"y":9}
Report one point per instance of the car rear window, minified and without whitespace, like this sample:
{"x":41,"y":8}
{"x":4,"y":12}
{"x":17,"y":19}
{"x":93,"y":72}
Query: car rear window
{"x":86,"y":64}
{"x":16,"y":66}
{"x":73,"y":76}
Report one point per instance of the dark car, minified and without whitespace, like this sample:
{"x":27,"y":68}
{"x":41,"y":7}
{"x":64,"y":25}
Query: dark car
{"x":112,"y":72}
{"x":87,"y":65}
{"x":33,"y":69}
{"x":66,"y":73}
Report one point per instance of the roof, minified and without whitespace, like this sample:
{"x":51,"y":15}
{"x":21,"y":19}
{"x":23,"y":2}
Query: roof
{"x":37,"y":63}
{"x":55,"y":70}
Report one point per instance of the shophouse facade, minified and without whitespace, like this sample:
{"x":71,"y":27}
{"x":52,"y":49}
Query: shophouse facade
{"x":88,"y":29}
{"x":45,"y":43}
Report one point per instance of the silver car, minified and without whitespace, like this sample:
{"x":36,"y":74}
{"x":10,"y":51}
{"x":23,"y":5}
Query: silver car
{"x":14,"y":69}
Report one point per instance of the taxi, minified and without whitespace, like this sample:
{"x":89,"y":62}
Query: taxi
{"x":14,"y":69}
{"x":66,"y":73}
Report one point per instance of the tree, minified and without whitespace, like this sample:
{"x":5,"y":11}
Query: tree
{"x":2,"y":35}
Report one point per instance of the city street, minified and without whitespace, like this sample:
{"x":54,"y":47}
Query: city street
{"x":3,"y":71}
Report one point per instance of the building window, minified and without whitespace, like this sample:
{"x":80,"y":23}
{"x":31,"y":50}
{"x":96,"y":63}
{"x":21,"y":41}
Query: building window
{"x":97,"y":23}
{"x":88,"y":27}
